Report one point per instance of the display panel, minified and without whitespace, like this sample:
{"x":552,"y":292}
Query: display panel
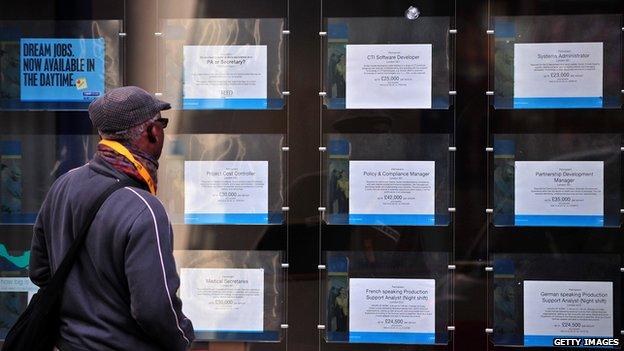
{"x":571,"y":61}
{"x":402,"y":64}
{"x":16,"y":289}
{"x":388,"y":179}
{"x":235,"y":64}
{"x":222,"y":178}
{"x":29,"y":164}
{"x":387,"y":297}
{"x":232,"y":295}
{"x":576,"y":296}
{"x":565,"y":180}
{"x":58,"y":65}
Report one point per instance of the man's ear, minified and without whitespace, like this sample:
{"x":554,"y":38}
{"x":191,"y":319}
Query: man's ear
{"x":150,"y":135}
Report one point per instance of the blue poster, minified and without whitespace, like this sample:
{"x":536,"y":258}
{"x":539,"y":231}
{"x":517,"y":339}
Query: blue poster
{"x":61,"y":70}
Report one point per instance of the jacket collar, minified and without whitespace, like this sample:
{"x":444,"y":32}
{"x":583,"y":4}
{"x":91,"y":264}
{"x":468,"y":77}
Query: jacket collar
{"x":98,"y":165}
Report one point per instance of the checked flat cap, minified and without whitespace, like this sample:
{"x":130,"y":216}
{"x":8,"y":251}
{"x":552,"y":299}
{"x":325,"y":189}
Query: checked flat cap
{"x":123,"y":108}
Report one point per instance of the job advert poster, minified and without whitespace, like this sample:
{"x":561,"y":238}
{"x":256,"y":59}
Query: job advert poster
{"x":61,"y":70}
{"x":225,"y":76}
{"x":559,"y":193}
{"x":223,"y":300}
{"x":234,"y":192}
{"x":388,"y":76}
{"x":392,"y":310}
{"x":558,"y":75}
{"x":392,"y":192}
{"x":554,"y":309}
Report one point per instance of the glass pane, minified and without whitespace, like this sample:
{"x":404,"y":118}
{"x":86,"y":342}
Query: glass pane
{"x":223,"y":63}
{"x":563,"y":180}
{"x":58,"y":65}
{"x":29,"y":164}
{"x":569,"y":61}
{"x":387,"y":297}
{"x":222,"y":178}
{"x":399,"y":179}
{"x":538,"y":297}
{"x":407,"y":59}
{"x":232,"y":295}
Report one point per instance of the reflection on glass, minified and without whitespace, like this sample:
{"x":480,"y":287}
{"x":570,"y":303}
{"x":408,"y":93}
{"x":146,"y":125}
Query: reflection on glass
{"x":387,"y":297}
{"x":407,"y":59}
{"x":29,"y":164}
{"x":222,"y":178}
{"x":223,"y":63}
{"x":562,"y":180}
{"x":381,"y":179}
{"x":58,"y":65}
{"x":232,"y":295}
{"x":570,"y":61}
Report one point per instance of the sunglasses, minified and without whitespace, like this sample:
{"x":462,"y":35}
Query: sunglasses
{"x":163,"y":121}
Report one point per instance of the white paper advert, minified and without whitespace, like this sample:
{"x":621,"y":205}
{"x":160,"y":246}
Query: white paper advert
{"x":568,"y":308}
{"x":225,"y":72}
{"x":18,"y":284}
{"x":218,"y":187}
{"x":558,"y":70}
{"x":224,"y":299}
{"x":388,"y":76}
{"x":392,"y":187}
{"x":559,"y":188}
{"x":392,"y":305}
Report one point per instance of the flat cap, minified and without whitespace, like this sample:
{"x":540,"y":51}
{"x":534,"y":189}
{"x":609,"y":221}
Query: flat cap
{"x":123,"y":108}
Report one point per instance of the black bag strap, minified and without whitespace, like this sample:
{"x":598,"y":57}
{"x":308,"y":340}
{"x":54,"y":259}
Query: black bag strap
{"x":59,"y":277}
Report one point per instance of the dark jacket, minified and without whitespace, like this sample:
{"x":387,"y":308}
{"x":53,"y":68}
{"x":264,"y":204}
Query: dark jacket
{"x":121,"y":294}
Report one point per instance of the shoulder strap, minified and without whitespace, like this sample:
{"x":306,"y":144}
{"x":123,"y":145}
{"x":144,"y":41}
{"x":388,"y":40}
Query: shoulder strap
{"x":59,"y":277}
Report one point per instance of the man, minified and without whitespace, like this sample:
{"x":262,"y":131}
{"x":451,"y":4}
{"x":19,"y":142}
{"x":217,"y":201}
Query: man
{"x":121,"y":292}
